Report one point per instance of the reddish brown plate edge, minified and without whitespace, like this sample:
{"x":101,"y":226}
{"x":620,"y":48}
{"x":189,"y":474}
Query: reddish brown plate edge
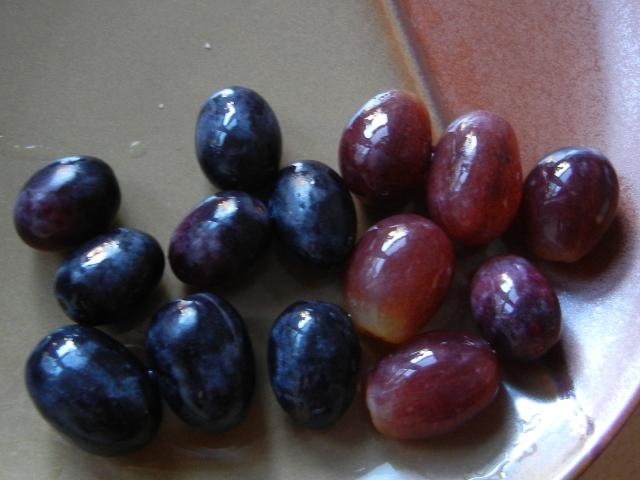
{"x":417,"y":80}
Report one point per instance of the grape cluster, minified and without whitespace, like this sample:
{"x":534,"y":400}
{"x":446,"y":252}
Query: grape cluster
{"x":200,"y":359}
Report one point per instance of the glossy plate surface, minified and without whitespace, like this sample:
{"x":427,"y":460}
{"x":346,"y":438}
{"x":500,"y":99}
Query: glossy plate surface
{"x":124,"y":81}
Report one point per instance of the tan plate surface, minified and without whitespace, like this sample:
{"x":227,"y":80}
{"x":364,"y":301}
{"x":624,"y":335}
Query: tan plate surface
{"x":124,"y":81}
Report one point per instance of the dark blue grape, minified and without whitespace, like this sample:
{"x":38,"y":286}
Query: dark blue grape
{"x":314,"y":357}
{"x":314,"y":213}
{"x":204,"y":362}
{"x":107,"y":276}
{"x":219,"y":239}
{"x":238,"y":141}
{"x":66,"y":202}
{"x":515,"y":307}
{"x":93,"y":391}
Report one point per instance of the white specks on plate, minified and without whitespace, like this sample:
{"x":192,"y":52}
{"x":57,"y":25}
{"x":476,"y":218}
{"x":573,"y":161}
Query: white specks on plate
{"x":161,"y":106}
{"x":27,"y":147}
{"x":207,"y":46}
{"x":137,"y":149}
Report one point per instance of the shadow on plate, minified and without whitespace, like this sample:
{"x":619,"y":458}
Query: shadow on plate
{"x":599,"y":272}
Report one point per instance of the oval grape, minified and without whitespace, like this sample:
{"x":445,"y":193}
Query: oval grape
{"x":93,"y":391}
{"x":432,"y":385}
{"x":385,"y":148}
{"x":313,"y":213}
{"x":106,"y":277}
{"x":314,"y":357}
{"x":474,"y":185}
{"x":570,"y":200}
{"x":66,"y":202}
{"x":202,"y":355}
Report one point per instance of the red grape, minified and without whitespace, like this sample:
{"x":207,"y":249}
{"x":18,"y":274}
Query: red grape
{"x":398,"y":276}
{"x":570,"y":199}
{"x":432,"y":385}
{"x":385,"y":148}
{"x":475,"y":181}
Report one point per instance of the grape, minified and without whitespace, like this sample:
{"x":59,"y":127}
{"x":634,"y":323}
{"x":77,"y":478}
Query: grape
{"x":314,"y":357}
{"x":203,"y":358}
{"x":475,"y":182}
{"x":313,"y":213}
{"x":104,"y":278}
{"x":570,"y":199}
{"x":515,"y":307}
{"x":398,"y":276}
{"x":92,"y":390}
{"x":432,"y":384}
{"x":220,"y":239}
{"x":238,"y":141}
{"x":385,"y":148}
{"x":66,"y":202}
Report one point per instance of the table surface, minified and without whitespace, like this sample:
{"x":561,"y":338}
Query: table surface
{"x":621,"y":460}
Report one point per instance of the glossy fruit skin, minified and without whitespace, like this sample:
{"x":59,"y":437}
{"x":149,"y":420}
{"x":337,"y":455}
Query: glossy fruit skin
{"x":220,"y":239}
{"x":385,"y":148}
{"x":474,"y":185}
{"x":515,"y":307}
{"x":570,"y":199}
{"x":238,"y":140}
{"x":314,"y":358}
{"x":398,"y":276}
{"x":66,"y":202}
{"x":313,"y":213}
{"x":93,"y":391}
{"x":202,"y":354}
{"x":105,"y":277}
{"x":432,"y":385}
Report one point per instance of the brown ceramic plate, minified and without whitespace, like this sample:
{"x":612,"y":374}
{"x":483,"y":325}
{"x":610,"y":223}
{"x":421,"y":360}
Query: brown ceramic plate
{"x":124,"y":81}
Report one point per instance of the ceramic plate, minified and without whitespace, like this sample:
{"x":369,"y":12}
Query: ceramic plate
{"x":124,"y":81}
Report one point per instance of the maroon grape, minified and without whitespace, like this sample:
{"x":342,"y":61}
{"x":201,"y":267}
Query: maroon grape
{"x":475,"y":181}
{"x":398,"y":276}
{"x":515,"y":307}
{"x":570,"y":200}
{"x":385,"y":148}
{"x":432,"y":384}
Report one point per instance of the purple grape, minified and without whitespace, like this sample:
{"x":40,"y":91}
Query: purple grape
{"x":314,"y":357}
{"x":92,"y":390}
{"x":570,"y":200}
{"x":313,"y":213}
{"x":219,"y":239}
{"x":203,"y":358}
{"x":238,"y":141}
{"x":107,"y":276}
{"x":517,"y":310}
{"x":66,"y":202}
